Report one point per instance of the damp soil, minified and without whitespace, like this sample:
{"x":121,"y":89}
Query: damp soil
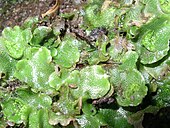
{"x":15,"y":12}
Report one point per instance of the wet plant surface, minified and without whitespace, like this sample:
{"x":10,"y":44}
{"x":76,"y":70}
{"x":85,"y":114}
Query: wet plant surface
{"x":84,"y":63}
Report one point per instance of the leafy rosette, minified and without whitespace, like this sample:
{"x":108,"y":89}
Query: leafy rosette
{"x":16,"y":40}
{"x":153,"y":40}
{"x":28,"y":108}
{"x":36,"y":69}
{"x":128,"y":82}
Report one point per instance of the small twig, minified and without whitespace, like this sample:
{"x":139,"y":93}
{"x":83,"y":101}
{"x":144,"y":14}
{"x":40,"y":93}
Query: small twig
{"x":106,"y":4}
{"x":53,"y":9}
